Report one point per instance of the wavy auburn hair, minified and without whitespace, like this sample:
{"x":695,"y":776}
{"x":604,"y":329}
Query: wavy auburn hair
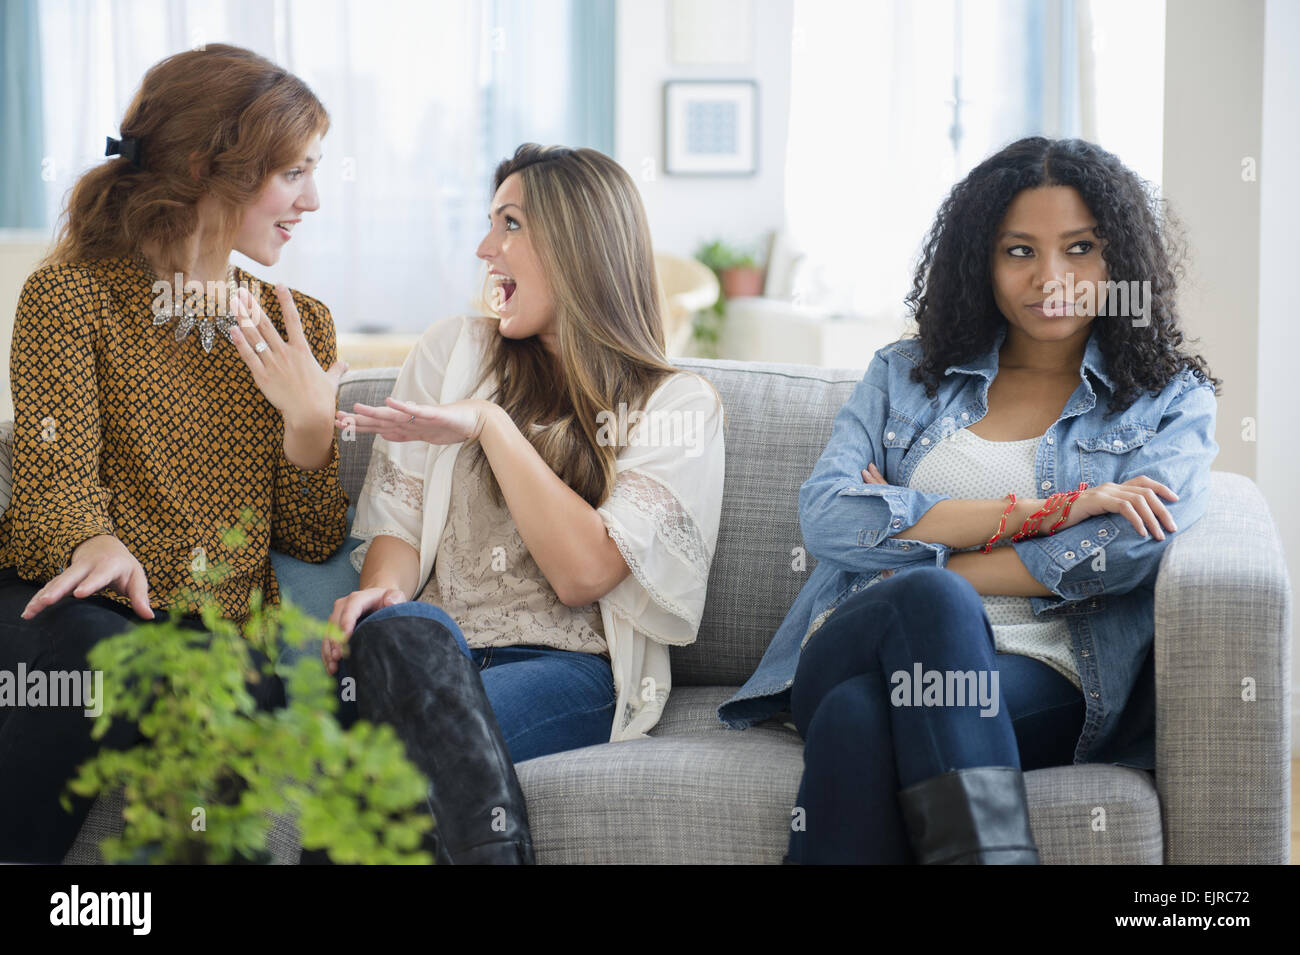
{"x":233,"y":115}
{"x":952,"y":290}
{"x":589,"y":230}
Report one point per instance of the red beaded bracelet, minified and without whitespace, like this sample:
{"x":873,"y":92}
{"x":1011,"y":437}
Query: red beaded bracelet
{"x":1001,"y":524}
{"x":1063,"y":500}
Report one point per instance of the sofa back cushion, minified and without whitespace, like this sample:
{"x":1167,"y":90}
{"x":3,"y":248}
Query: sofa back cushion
{"x":6,"y":464}
{"x":779,"y":419}
{"x":370,"y":387}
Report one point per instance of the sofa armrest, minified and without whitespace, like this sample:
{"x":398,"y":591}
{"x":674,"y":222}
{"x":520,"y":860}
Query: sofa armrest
{"x":6,"y":464}
{"x":1222,"y":619}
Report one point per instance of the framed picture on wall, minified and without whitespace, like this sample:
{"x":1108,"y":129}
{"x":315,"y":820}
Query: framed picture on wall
{"x":710,"y":127}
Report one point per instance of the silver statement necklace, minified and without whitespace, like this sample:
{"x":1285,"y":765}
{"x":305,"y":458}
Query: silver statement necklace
{"x":187,"y":314}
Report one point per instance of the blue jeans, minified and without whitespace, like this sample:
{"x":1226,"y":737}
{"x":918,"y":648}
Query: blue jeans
{"x":544,"y":700}
{"x":865,"y":739}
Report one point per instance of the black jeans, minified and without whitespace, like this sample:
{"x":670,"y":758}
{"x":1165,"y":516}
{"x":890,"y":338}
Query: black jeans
{"x":42,"y":746}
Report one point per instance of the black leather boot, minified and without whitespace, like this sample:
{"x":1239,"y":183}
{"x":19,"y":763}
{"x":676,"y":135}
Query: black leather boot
{"x":974,"y":816}
{"x":412,"y":675}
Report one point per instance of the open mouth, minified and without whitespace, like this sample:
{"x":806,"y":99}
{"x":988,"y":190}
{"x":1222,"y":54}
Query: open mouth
{"x":504,"y":291}
{"x":285,"y":228}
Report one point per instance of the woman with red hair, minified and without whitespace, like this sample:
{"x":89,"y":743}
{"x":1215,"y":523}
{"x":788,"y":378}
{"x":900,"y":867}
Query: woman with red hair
{"x":140,"y":432}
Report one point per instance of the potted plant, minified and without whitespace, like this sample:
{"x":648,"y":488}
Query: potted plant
{"x":215,"y":770}
{"x":737,"y":268}
{"x":738,"y":275}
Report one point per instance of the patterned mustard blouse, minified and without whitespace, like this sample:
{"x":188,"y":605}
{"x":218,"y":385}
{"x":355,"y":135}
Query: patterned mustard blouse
{"x":121,"y":429}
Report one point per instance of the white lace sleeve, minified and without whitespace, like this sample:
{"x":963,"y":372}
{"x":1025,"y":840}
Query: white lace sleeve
{"x":391,"y":501}
{"x":676,"y":529}
{"x":403,"y":490}
{"x":663,"y":514}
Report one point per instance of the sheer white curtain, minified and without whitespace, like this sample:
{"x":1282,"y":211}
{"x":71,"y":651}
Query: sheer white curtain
{"x":403,"y":182}
{"x":869,"y":154}
{"x":892,"y":101}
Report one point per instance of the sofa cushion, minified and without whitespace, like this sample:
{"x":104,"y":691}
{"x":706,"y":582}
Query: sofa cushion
{"x":6,"y":464}
{"x":1095,"y":814}
{"x":723,"y":795}
{"x":369,"y":386}
{"x":105,"y":819}
{"x":699,"y":792}
{"x":693,"y":711}
{"x":313,"y":588}
{"x":778,"y":420}
{"x":675,"y":799}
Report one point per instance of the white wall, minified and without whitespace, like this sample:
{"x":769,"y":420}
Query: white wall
{"x":1232,"y":91}
{"x":684,"y":210}
{"x":1277,"y":454}
{"x":1213,"y":92}
{"x":20,"y":250}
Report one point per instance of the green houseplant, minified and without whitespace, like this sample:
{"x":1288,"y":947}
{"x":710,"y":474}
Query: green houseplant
{"x":214,"y":769}
{"x":738,"y":274}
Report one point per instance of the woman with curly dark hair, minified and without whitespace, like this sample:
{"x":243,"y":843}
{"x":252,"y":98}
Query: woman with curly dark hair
{"x":988,"y":520}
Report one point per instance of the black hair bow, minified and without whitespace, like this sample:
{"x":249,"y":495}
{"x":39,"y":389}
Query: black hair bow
{"x":127,"y":148}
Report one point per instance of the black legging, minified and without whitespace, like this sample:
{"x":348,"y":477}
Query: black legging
{"x":41,"y":747}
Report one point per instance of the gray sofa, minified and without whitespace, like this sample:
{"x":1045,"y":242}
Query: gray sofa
{"x":699,"y":792}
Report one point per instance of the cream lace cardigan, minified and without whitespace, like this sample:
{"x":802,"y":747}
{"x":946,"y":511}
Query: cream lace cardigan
{"x":662,"y":513}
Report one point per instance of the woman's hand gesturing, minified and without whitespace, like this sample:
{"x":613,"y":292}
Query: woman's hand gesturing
{"x":285,"y":371}
{"x":404,"y":421}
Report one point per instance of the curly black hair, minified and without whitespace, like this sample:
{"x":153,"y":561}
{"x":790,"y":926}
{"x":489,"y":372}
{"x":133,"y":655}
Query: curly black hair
{"x":952,"y":290}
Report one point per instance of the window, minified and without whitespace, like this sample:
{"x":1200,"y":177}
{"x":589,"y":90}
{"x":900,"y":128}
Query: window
{"x":892,"y":102}
{"x":425,"y":97}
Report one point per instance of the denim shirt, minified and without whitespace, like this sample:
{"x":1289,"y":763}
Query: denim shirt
{"x":1101,"y":571}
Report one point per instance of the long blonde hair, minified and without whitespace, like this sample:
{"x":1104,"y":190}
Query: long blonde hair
{"x":590,"y":233}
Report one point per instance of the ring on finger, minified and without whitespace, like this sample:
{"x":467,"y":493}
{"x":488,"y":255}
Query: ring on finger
{"x":248,"y":329}
{"x":250,"y":325}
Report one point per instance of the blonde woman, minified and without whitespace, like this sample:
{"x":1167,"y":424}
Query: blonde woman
{"x":540,"y":511}
{"x":148,"y":418}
